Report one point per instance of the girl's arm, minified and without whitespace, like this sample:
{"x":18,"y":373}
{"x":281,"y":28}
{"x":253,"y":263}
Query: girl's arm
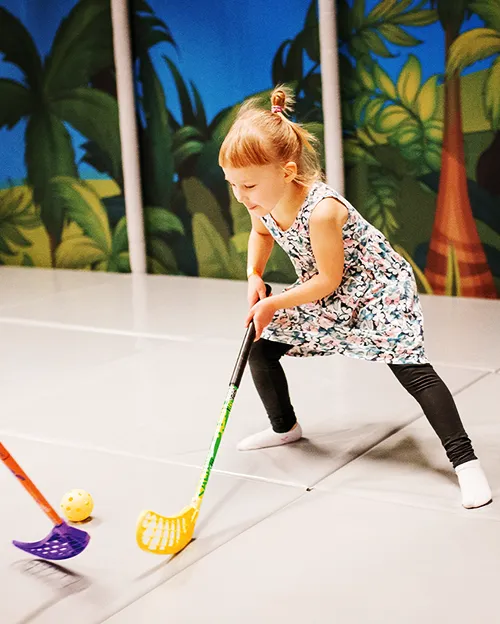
{"x":260,"y":245}
{"x":325,"y":229}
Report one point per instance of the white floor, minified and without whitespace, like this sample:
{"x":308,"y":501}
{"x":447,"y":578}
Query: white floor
{"x":114,"y":384}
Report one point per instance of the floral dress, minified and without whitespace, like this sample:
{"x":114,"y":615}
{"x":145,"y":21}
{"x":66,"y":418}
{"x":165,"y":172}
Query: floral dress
{"x":375,"y":312}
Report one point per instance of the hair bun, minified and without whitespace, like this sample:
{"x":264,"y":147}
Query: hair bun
{"x":282,"y":99}
{"x":278,"y":98}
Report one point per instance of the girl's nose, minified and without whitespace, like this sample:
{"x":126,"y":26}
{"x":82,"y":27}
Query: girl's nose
{"x":240,"y":196}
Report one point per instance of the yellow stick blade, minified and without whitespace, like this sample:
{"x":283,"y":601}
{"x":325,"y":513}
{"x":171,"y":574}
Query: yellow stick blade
{"x":166,"y":536}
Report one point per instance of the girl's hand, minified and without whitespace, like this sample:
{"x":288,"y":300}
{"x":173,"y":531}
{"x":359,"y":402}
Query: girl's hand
{"x":262,"y":314}
{"x":256,"y":289}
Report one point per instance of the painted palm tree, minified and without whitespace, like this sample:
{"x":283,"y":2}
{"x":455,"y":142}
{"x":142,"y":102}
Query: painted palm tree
{"x":54,"y":91}
{"x":456,"y":260}
{"x":473,"y":46}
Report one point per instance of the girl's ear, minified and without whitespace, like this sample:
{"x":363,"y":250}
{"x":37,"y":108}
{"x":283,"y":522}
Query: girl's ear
{"x":290,"y":170}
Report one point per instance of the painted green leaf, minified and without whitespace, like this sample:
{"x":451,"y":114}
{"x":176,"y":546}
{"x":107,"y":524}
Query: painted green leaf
{"x":432,"y":155}
{"x":16,"y":102}
{"x":147,"y":28}
{"x":27,"y":261}
{"x":488,"y":11}
{"x":27,"y":221}
{"x":391,"y":117}
{"x":16,"y":202}
{"x":242,"y":224}
{"x":294,"y":65}
{"x":379,"y":11}
{"x":380,"y":204}
{"x":78,"y":253}
{"x":417,"y":18}
{"x":186,"y":151}
{"x":199,"y":199}
{"x":98,"y":159}
{"x":364,"y":137}
{"x":120,"y":237}
{"x":407,"y":133}
{"x":81,"y":204}
{"x":409,"y":79}
{"x":212,"y":177}
{"x":123,"y":262}
{"x":158,"y":169}
{"x":201,"y":116}
{"x":161,"y":221}
{"x":278,"y":69}
{"x":185,"y":134}
{"x":397,"y":35}
{"x":188,"y":114}
{"x":311,"y":32}
{"x":434,"y":131}
{"x":49,"y":153}
{"x":17,"y":47}
{"x":376,"y":44}
{"x":373,"y":109}
{"x":384,"y":83}
{"x":358,"y":13}
{"x":414,"y":152}
{"x":237,"y":263}
{"x":83,"y":45}
{"x":427,"y":99}
{"x":492,"y":94}
{"x":240,"y":242}
{"x":472,"y":46}
{"x":159,"y":250}
{"x":354,"y":153}
{"x":5,"y":250}
{"x":365,"y":77}
{"x":94,"y":114}
{"x":14,"y":235}
{"x":358,"y":47}
{"x":211,"y":251}
{"x":359,"y":106}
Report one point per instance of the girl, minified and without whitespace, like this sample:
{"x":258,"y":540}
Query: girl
{"x":354,"y":294}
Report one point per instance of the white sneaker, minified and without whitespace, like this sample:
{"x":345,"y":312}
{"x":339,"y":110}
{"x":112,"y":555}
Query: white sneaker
{"x":474,"y":485}
{"x":268,"y":438}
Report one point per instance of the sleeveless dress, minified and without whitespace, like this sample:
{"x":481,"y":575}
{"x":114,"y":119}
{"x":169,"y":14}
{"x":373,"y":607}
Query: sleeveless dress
{"x":374,"y":314}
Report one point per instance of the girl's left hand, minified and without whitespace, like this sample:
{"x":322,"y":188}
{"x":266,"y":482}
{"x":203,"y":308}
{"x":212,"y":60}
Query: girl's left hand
{"x":262,"y":314}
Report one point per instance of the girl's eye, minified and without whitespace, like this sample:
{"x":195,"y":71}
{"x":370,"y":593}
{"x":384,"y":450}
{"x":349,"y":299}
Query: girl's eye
{"x":251,"y":186}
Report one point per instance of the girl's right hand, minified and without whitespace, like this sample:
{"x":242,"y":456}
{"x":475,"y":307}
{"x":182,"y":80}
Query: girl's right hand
{"x":256,"y":289}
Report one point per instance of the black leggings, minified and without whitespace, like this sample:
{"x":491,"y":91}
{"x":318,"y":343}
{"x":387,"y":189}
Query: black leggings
{"x":421,"y":381}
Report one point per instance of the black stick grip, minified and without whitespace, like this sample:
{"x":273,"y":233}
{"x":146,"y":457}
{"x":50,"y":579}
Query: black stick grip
{"x":242,"y":360}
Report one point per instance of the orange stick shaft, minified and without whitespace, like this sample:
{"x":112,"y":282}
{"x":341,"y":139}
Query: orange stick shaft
{"x":28,"y":484}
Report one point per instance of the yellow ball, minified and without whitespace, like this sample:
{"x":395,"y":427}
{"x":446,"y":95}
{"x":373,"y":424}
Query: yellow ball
{"x":77,"y":505}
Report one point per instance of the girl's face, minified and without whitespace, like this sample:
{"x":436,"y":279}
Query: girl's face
{"x":260,"y":187}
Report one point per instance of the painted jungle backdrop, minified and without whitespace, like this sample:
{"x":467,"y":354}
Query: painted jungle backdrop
{"x":420,"y":91}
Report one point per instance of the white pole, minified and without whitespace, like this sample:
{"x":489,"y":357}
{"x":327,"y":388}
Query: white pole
{"x":331,"y":95}
{"x":128,"y":135}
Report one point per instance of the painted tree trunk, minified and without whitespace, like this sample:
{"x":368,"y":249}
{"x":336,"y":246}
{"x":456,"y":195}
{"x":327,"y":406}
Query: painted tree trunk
{"x":456,"y":262}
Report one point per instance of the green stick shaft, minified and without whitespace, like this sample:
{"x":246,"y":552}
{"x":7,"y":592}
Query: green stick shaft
{"x":221,"y":426}
{"x":236,"y":377}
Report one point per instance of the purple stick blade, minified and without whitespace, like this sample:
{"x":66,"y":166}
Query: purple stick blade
{"x":63,"y":542}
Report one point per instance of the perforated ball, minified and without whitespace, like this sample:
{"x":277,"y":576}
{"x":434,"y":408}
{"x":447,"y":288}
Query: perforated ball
{"x":77,"y":505}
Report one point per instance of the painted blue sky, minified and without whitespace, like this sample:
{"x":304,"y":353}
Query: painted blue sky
{"x":225,"y":47}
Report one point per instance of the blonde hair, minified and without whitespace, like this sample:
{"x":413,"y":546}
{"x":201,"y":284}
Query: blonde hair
{"x":262,"y":136}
